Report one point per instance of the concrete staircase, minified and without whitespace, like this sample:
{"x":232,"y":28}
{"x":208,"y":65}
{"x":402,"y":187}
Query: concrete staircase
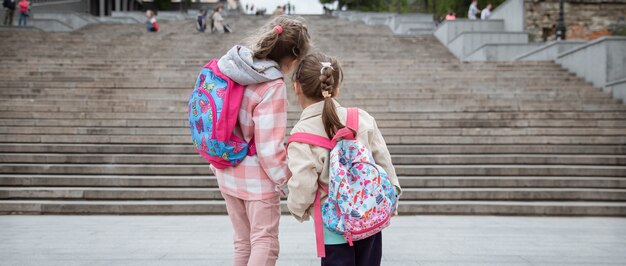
{"x":94,"y":122}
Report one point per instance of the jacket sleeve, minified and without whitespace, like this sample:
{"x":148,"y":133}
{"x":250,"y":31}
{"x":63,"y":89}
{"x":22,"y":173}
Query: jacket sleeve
{"x":303,"y":183}
{"x":270,"y":126}
{"x":382,"y":157}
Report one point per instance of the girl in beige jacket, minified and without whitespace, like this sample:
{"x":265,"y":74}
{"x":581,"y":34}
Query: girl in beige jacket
{"x":316,"y":83}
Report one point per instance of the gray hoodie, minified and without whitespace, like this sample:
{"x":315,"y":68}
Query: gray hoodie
{"x":240,"y":65}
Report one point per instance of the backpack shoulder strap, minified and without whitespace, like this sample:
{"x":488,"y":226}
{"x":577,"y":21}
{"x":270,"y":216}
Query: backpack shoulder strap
{"x":311,"y":139}
{"x":352,"y":126}
{"x":323,"y":142}
{"x":353,"y":119}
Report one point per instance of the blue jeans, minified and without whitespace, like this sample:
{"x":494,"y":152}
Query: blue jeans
{"x":23,"y":18}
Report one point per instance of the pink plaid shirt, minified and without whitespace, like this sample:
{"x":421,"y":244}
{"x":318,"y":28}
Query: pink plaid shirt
{"x":263,"y":115}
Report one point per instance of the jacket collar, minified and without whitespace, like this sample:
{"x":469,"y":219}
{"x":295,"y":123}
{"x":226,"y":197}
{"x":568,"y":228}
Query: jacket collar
{"x":315,"y":109}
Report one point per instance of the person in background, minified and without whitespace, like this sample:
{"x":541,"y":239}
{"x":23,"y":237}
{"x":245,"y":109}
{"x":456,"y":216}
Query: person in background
{"x":24,"y":7}
{"x":151,"y":24}
{"x":473,"y":10}
{"x":217,"y":21}
{"x":451,"y":16}
{"x":278,"y":12}
{"x":201,"y":21}
{"x":9,"y":11}
{"x":486,"y":12}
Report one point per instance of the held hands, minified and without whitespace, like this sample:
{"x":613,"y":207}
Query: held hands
{"x":282,"y":189}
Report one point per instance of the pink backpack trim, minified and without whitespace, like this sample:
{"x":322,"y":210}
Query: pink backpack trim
{"x":348,"y":132}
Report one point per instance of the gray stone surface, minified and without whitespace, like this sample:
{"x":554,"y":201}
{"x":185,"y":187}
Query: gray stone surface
{"x":468,"y":42}
{"x":512,"y":12}
{"x":414,"y":240}
{"x":500,"y":51}
{"x":600,"y":62}
{"x":448,"y":30}
{"x":549,"y":51}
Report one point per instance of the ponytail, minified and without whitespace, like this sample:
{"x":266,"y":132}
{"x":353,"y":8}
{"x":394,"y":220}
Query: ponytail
{"x":319,"y":77}
{"x":283,"y":37}
{"x":266,"y":44}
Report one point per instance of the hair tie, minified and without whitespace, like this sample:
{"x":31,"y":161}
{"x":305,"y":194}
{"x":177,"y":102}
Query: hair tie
{"x":327,"y":94}
{"x":324,"y":66}
{"x":279,"y":29}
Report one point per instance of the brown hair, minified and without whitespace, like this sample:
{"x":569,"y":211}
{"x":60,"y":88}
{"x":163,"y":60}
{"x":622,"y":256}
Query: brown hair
{"x":293,"y":42}
{"x":314,"y":79}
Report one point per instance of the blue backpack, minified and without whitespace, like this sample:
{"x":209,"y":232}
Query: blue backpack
{"x":213,"y":110}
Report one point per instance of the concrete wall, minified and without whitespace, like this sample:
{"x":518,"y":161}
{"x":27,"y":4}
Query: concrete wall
{"x":408,"y":24}
{"x":618,"y":89}
{"x":61,"y":6}
{"x":448,"y":30}
{"x":512,"y":12}
{"x":549,"y":51}
{"x":468,"y":42}
{"x":601,"y":62}
{"x":377,"y":18}
{"x":501,"y":51}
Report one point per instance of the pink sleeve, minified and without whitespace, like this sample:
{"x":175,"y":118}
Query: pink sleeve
{"x":270,"y":125}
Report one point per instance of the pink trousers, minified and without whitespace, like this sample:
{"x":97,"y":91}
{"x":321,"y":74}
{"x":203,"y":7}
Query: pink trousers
{"x":255,"y":233}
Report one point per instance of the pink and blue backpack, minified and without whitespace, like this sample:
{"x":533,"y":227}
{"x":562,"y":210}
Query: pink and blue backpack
{"x":361,"y":198}
{"x":213,"y":111}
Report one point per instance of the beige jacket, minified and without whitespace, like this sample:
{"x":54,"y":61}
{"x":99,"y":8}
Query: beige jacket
{"x":309,"y":163}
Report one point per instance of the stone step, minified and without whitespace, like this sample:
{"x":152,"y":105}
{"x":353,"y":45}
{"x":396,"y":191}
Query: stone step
{"x":408,"y":170}
{"x":80,"y":148}
{"x":386,"y":131}
{"x":207,"y":181}
{"x":592,"y":208}
{"x":427,"y":106}
{"x":389,"y":139}
{"x":398,"y":159}
{"x":79,"y":193}
{"x":292,"y":115}
{"x":432,"y":123}
{"x":166,"y":95}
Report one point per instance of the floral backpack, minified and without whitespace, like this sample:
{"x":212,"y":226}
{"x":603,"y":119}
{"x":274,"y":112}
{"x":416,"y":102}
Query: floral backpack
{"x":361,"y":198}
{"x":213,"y":110}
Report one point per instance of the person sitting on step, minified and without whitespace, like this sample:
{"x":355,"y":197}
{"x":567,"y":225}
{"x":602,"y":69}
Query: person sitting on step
{"x":151,"y":24}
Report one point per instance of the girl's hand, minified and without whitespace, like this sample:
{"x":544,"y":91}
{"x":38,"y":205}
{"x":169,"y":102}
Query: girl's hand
{"x":395,"y":213}
{"x":282,"y":189}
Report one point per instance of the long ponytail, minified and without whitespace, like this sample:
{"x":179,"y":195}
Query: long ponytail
{"x":319,"y":76}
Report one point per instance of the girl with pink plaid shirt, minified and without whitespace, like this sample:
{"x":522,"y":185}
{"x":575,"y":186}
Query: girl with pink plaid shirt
{"x":252,"y":189}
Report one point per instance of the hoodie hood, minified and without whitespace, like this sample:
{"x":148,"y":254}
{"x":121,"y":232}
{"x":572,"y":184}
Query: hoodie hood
{"x":240,"y":65}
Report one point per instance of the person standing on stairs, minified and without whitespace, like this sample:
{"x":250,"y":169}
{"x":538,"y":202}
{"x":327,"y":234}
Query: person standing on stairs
{"x":316,"y":85}
{"x":24,"y":12}
{"x":252,"y":189}
{"x":201,"y":20}
{"x":486,"y":12}
{"x":217,"y":21}
{"x":473,"y":10}
{"x":151,"y":24}
{"x":9,"y":11}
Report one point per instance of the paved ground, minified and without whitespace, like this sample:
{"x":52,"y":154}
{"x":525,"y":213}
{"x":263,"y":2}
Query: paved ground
{"x":205,"y":240}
